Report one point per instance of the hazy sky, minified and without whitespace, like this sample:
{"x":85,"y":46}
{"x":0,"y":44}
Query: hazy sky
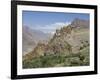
{"x":48,"y":21}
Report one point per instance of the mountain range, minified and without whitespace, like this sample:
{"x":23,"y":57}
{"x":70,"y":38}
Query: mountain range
{"x":31,"y":37}
{"x":70,"y":39}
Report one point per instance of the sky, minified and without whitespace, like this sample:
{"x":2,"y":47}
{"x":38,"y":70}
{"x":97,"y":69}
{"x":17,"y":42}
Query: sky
{"x":48,"y":22}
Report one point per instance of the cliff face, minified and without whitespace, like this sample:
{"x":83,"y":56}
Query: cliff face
{"x":68,"y":40}
{"x":58,"y":44}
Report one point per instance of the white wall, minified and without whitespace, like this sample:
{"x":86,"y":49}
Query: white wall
{"x":5,"y":29}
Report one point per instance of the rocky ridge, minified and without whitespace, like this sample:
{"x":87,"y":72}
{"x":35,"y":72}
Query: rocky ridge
{"x":67,"y":40}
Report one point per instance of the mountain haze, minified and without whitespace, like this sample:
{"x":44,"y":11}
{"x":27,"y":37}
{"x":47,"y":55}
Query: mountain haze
{"x":31,"y":38}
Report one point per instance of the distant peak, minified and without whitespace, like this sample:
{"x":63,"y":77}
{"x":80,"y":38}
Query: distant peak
{"x":80,"y":23}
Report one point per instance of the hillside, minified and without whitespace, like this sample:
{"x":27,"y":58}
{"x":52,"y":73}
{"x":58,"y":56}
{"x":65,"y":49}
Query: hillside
{"x":70,"y":43}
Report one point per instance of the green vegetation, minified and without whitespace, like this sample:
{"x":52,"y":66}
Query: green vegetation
{"x":58,"y":60}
